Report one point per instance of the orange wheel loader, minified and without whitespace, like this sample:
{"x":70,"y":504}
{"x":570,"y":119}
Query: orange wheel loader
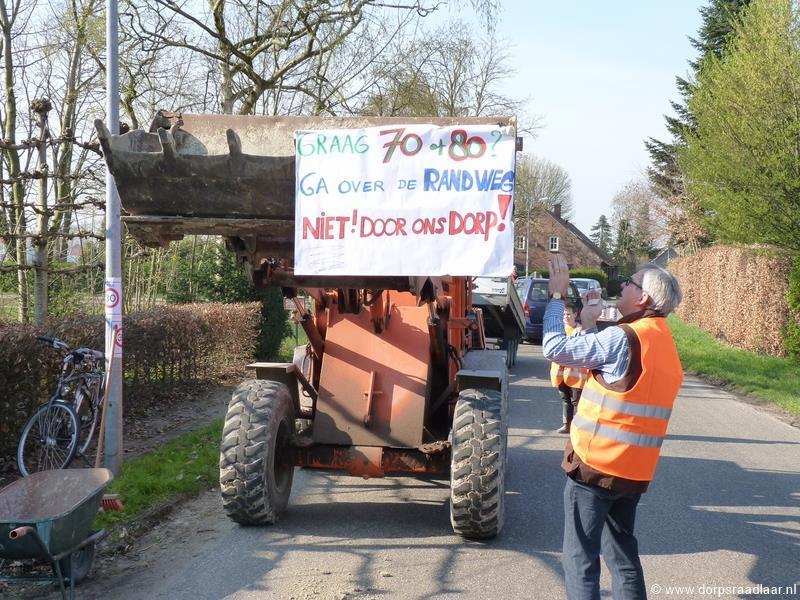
{"x":395,"y":378}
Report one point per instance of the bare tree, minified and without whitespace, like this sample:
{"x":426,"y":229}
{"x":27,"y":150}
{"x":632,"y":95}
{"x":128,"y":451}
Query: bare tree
{"x":634,"y":212}
{"x":446,"y":71}
{"x":13,"y":224}
{"x":542,"y":183}
{"x":255,"y":45}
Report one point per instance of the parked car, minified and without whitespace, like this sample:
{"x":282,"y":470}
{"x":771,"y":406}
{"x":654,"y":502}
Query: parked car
{"x":534,"y":295}
{"x":586,"y":285}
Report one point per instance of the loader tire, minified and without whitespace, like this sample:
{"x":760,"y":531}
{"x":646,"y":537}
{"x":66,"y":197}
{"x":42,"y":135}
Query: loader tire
{"x":255,"y":461}
{"x":478,"y":462}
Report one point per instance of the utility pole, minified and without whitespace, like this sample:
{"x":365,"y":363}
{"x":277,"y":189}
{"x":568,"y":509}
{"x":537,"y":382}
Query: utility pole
{"x":113,"y":283}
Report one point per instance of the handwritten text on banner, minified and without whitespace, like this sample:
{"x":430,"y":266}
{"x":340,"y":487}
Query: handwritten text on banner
{"x":405,"y":200}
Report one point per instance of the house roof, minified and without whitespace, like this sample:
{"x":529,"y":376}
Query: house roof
{"x":585,"y":239}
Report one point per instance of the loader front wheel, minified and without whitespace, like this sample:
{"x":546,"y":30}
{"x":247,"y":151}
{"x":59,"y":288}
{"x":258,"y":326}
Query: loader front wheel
{"x":256,"y":463}
{"x":477,"y":469}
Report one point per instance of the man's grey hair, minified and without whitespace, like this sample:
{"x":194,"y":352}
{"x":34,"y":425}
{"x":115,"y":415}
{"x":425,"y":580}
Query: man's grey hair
{"x":662,"y":287}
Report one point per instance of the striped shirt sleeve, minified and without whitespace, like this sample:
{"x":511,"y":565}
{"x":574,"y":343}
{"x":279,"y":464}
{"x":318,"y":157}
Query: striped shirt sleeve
{"x":606,"y":351}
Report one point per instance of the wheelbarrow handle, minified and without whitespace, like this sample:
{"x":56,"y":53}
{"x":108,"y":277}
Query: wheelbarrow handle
{"x":19,"y":532}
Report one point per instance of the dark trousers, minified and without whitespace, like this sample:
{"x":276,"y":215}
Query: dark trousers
{"x":569,"y":398}
{"x":598,"y":520}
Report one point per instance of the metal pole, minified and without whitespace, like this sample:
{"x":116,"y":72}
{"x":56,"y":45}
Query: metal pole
{"x":113,"y":284}
{"x":527,"y":236}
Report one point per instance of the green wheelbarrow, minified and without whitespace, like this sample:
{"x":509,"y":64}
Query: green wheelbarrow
{"x":48,"y":516}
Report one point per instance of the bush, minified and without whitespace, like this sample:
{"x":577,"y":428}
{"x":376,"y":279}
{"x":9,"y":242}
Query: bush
{"x":738,"y":294}
{"x":165,"y":348}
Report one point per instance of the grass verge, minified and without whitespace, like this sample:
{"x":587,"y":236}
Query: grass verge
{"x":185,"y":465}
{"x":770,"y":378}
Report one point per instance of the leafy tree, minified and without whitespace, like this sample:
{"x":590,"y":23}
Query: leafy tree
{"x":741,"y":161}
{"x":682,"y":213}
{"x":211,"y":273}
{"x":624,"y":246}
{"x":600,"y":234}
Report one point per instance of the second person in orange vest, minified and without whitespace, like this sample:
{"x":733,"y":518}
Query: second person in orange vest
{"x":569,"y":380}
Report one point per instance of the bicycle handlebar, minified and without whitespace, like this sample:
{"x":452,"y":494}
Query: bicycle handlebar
{"x":79,"y":353}
{"x":55,"y":343}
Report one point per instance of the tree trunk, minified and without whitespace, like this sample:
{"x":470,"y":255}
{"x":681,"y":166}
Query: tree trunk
{"x":192,"y":256}
{"x":40,"y":275}
{"x":16,"y":216}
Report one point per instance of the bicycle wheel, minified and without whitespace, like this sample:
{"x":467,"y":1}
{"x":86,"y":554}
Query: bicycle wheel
{"x":49,"y":439}
{"x":87,"y":421}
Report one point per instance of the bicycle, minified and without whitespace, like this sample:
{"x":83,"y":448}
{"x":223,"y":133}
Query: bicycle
{"x":64,"y":426}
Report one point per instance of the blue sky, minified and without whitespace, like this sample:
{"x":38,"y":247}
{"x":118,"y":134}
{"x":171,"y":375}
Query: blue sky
{"x":600,"y":75}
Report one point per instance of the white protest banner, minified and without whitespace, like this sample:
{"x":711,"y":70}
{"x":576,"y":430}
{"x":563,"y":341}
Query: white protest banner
{"x":405,"y":200}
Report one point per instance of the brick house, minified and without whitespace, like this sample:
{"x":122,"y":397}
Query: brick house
{"x":549,"y":231}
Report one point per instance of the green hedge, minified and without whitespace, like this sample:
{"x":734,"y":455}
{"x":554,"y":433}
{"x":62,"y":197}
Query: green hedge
{"x":791,"y":334}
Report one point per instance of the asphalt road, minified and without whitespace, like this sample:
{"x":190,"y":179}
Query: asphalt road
{"x":724,"y":511}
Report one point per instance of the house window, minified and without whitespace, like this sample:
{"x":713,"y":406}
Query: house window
{"x":521,"y":243}
{"x":553,"y":243}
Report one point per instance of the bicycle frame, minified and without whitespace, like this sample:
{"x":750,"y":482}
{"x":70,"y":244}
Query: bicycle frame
{"x":85,"y":380}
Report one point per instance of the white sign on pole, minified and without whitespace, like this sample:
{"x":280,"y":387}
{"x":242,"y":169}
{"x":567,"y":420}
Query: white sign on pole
{"x":405,"y":200}
{"x":113,"y":288}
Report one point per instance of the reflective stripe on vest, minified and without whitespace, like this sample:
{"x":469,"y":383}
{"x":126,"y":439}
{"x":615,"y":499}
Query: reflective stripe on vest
{"x":637,"y":410}
{"x":612,"y":433}
{"x":575,"y":377}
{"x":621,"y":433}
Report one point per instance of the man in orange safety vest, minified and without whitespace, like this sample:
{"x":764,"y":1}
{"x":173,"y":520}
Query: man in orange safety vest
{"x":620,"y":424}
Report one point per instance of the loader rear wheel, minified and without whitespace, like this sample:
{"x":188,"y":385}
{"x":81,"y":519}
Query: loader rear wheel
{"x":477,"y":470}
{"x":255,"y":462}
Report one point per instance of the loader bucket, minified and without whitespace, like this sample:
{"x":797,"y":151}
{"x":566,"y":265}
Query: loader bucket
{"x":228,"y":175}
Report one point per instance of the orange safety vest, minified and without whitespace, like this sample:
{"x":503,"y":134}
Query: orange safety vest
{"x":572,"y":376}
{"x":620,"y":433}
{"x":575,"y":377}
{"x":556,"y":374}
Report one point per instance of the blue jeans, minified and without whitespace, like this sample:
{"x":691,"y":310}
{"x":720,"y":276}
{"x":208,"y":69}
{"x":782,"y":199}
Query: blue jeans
{"x":595,"y":520}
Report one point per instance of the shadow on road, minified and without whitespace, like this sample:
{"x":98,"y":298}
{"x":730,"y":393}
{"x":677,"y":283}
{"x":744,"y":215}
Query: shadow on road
{"x":695,"y":506}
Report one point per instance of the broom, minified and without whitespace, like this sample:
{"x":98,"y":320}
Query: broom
{"x":110,"y":502}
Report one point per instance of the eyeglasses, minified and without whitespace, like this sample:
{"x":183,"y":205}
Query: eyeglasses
{"x":629,"y":280}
